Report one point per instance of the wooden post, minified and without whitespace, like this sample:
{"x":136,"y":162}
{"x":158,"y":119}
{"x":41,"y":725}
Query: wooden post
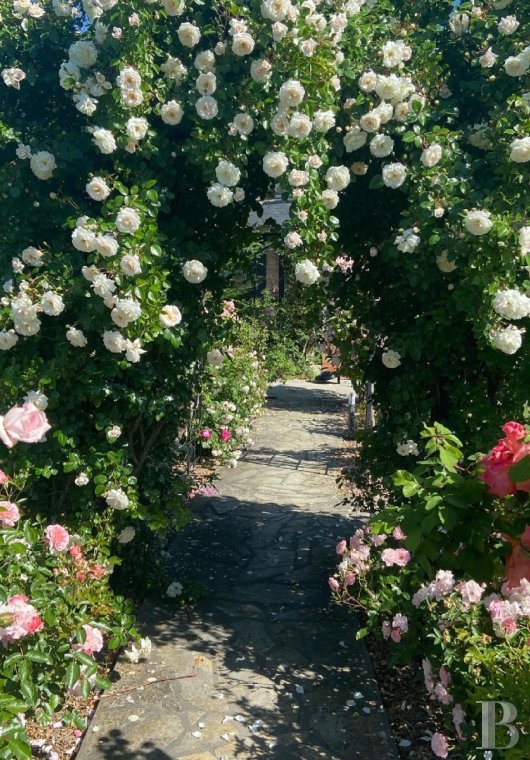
{"x":370,"y":416}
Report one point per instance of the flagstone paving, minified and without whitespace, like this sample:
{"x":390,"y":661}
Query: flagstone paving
{"x":264,"y":667}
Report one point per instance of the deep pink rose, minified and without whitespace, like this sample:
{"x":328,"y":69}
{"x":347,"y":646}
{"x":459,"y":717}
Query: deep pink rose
{"x":3,"y":478}
{"x":23,"y":423}
{"x":93,"y":640}
{"x":225,"y":435}
{"x":9,"y":513}
{"x":504,"y":455}
{"x":57,"y":537}
{"x":439,"y":745}
{"x":205,"y":434}
{"x":22,"y":619}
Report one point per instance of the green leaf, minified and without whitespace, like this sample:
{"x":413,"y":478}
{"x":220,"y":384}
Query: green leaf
{"x":103,"y":683}
{"x":20,"y":749}
{"x":361,"y":633}
{"x":73,"y":671}
{"x":39,"y":657}
{"x":84,"y":658}
{"x":521,"y":471}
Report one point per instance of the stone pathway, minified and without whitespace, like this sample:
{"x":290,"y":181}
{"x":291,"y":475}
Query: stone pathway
{"x":275,"y":670}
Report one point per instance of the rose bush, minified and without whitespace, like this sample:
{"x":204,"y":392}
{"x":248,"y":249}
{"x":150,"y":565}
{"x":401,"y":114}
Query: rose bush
{"x":443,"y":576}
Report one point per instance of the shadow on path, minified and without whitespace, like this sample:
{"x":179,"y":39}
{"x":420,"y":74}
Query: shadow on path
{"x":276,"y":671}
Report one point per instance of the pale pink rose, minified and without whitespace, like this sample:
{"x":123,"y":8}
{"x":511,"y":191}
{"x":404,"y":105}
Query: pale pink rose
{"x":471,"y":592}
{"x":357,"y":539}
{"x":57,"y":537}
{"x":445,"y":676}
{"x":333,"y":584}
{"x":442,"y":695}
{"x":395,"y":635}
{"x":459,"y":717}
{"x":93,"y":640}
{"x":23,"y":423}
{"x":379,"y":539}
{"x":3,"y":478}
{"x":349,"y":578}
{"x":439,"y":745}
{"x":428,"y":675}
{"x":341,"y":547}
{"x":398,"y":534}
{"x":9,"y":513}
{"x":22,"y":619}
{"x":400,"y":557}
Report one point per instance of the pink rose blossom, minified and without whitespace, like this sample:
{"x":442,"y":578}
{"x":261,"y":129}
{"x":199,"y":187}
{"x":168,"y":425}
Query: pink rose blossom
{"x":398,"y":534}
{"x":75,"y":551}
{"x":341,"y":547}
{"x":428,"y":675}
{"x":356,"y":539}
{"x":205,"y":434}
{"x":400,"y":621}
{"x":333,"y":584}
{"x":57,"y":538}
{"x":459,"y":717}
{"x":225,"y":435}
{"x":4,"y":478}
{"x":349,"y":578}
{"x":9,"y":513}
{"x":418,"y":597}
{"x":22,"y":619}
{"x":442,"y":695}
{"x":400,"y":557}
{"x":93,"y":640}
{"x":443,"y":584}
{"x":445,"y":676}
{"x":439,"y":745}
{"x":471,"y":593}
{"x":23,"y":423}
{"x":379,"y":539}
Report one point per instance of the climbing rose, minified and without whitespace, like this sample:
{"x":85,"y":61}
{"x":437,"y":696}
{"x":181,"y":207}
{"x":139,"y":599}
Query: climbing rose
{"x":225,"y":435}
{"x":57,"y":538}
{"x":510,"y":450}
{"x":341,"y":547}
{"x":21,"y":618}
{"x":23,"y":423}
{"x":333,"y":584}
{"x":93,"y":640}
{"x":400,"y":557}
{"x":9,"y":513}
{"x":205,"y":434}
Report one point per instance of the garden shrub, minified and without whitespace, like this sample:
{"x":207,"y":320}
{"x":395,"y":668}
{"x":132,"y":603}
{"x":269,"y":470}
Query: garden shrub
{"x":443,"y":576}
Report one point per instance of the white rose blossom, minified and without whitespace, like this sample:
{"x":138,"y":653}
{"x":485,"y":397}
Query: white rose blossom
{"x":194,"y":271}
{"x":171,"y":113}
{"x":391,"y":359}
{"x":104,"y":140}
{"x":306,"y":272}
{"x":189,"y":34}
{"x":117,"y":499}
{"x":170,"y":316}
{"x":478,"y":222}
{"x":511,"y":304}
{"x":507,"y":339}
{"x":127,"y":220}
{"x":76,"y":337}
{"x":520,"y":150}
{"x":337,"y":178}
{"x":97,"y":189}
{"x":394,"y":175}
{"x":43,"y":164}
{"x":275,"y":164}
{"x":13,"y":77}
